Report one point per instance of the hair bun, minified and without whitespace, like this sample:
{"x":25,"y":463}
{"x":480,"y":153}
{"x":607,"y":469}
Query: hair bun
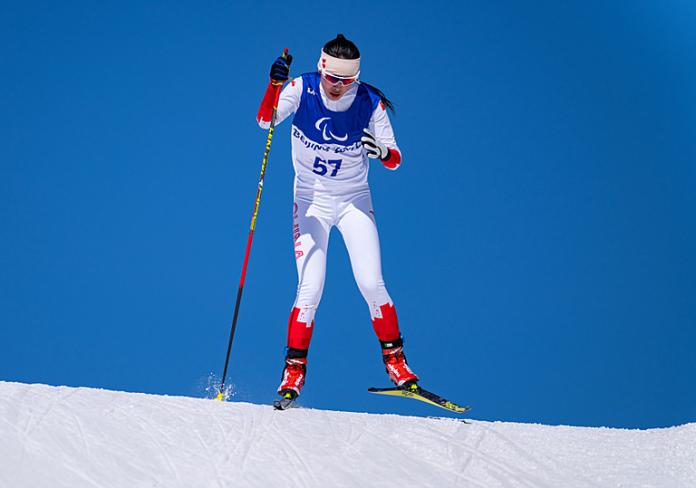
{"x":340,"y":36}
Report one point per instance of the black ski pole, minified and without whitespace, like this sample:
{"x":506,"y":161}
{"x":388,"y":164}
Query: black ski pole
{"x":278,"y":85}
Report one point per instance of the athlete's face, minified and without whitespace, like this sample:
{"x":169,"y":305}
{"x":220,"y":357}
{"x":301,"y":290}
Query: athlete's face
{"x":334,"y":90}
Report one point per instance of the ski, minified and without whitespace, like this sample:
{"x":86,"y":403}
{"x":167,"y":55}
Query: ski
{"x":417,"y":393}
{"x":288,"y":401}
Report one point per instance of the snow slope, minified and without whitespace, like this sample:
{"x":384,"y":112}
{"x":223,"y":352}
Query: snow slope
{"x":80,"y":437}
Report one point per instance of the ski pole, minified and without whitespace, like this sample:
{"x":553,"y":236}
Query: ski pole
{"x":278,"y":85}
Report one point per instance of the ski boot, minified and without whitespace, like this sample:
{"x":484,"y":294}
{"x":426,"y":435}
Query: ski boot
{"x":293,"y":378}
{"x":396,"y":365}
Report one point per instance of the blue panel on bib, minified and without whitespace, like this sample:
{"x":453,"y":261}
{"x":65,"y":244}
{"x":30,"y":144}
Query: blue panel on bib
{"x":324,"y":126}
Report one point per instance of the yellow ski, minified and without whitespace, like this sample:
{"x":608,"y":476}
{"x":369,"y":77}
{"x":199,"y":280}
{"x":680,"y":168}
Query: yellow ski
{"x":417,"y":393}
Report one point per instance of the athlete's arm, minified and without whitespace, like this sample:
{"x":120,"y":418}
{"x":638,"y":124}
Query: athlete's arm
{"x":381,"y":127}
{"x":287,"y":104}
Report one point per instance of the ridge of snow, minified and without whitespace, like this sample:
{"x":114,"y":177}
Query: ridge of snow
{"x":82,"y":437}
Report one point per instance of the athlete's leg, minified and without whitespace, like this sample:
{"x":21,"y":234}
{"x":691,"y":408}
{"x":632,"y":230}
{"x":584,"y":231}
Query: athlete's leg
{"x":311,"y":236}
{"x":359,"y":230}
{"x":357,"y":225}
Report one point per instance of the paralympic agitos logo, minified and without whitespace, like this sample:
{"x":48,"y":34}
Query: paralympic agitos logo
{"x":322,"y":125}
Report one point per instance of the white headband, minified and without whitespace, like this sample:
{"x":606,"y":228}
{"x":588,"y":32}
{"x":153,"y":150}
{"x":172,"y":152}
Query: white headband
{"x":347,"y":68}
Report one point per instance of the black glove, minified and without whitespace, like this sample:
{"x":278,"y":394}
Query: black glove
{"x":280,"y":70}
{"x":374,"y":148}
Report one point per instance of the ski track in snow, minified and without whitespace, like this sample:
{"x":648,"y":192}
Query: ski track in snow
{"x":60,"y":437}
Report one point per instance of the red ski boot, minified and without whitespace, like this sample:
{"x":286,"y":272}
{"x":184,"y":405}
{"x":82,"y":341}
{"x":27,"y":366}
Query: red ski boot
{"x":395,"y":362}
{"x":293,"y":376}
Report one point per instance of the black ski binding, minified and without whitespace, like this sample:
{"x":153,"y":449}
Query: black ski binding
{"x":287,"y":400}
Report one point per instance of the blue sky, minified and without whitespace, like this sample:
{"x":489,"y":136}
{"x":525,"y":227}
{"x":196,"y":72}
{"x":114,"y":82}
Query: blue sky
{"x":538,"y":240}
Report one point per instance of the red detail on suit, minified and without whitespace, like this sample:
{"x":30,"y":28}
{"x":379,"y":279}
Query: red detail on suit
{"x":387,"y":327}
{"x":299,"y":333}
{"x":394,"y":159}
{"x":267,"y":104}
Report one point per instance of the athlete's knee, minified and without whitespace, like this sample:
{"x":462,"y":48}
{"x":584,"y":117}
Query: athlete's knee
{"x":309,"y":293}
{"x":372,"y":289}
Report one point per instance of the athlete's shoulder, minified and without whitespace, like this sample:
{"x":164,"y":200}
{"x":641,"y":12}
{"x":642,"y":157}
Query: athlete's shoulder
{"x":294,"y":85}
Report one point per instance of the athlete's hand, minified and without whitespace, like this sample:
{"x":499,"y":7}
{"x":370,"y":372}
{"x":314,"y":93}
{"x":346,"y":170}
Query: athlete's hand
{"x":280,"y":70}
{"x":374,"y":148}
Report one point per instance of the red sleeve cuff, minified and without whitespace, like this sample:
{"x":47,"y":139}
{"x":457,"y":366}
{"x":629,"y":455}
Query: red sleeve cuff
{"x":270,"y":99}
{"x":393,"y":159}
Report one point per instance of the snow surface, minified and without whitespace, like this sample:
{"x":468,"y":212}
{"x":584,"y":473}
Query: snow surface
{"x":81,"y":437}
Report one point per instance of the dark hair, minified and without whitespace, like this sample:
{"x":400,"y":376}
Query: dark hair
{"x":342,"y":48}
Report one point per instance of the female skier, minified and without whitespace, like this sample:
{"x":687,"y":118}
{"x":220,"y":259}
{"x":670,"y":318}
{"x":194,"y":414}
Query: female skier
{"x":339,"y":123}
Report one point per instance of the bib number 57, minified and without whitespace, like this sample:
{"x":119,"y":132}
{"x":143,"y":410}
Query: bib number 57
{"x":321,"y":166}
